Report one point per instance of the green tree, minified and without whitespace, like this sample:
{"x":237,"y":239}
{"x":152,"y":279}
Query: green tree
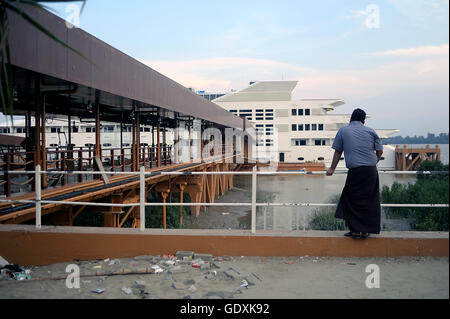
{"x":428,"y":189}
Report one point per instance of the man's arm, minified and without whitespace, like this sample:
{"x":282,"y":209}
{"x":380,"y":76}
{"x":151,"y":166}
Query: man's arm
{"x":336,"y":158}
{"x":379,"y":153}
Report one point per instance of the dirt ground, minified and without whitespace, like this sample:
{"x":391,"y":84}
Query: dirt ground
{"x":270,"y":278}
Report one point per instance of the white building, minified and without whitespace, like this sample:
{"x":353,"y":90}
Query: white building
{"x":297,"y":130}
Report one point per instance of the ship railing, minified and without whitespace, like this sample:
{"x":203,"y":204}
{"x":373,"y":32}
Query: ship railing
{"x":38,"y":201}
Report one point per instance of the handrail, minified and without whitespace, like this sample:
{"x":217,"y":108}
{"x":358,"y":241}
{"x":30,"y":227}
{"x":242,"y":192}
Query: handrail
{"x":142,"y":203}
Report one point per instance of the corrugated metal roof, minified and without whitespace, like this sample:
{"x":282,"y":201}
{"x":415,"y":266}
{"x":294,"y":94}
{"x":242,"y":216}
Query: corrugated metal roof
{"x":110,"y":71}
{"x":262,"y":91}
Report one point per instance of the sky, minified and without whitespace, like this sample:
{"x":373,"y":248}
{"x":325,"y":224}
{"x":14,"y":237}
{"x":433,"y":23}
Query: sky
{"x":389,"y":57}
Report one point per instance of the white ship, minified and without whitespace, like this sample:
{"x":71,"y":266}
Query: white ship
{"x":304,"y":128}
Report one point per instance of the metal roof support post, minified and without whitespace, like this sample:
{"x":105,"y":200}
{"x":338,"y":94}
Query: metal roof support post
{"x":158,"y":144}
{"x":37,"y":179}
{"x":142,"y":198}
{"x":253,"y":222}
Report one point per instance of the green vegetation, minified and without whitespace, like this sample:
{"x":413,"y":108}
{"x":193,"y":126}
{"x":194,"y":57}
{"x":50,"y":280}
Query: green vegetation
{"x":154,"y":215}
{"x":428,"y":189}
{"x":429,"y":139}
{"x":323,"y":218}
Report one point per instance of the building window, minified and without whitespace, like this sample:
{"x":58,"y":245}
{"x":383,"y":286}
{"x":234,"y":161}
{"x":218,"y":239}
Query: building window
{"x":319,"y":142}
{"x":294,"y":112}
{"x":307,"y":111}
{"x":320,"y":127}
{"x":294,"y":127}
{"x":300,"y":127}
{"x":300,"y":112}
{"x":314,"y":127}
{"x":307,"y":127}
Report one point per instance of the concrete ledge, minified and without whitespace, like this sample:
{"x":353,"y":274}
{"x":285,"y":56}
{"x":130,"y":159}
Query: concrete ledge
{"x":24,"y":245}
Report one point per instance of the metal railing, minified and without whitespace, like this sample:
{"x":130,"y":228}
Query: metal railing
{"x":38,"y":201}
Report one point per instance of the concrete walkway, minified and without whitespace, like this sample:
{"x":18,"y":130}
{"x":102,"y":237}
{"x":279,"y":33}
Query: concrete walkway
{"x":268,"y":277}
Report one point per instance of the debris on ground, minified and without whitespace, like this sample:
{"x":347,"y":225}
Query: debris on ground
{"x":98,"y":291}
{"x":127,"y":290}
{"x":13,"y":272}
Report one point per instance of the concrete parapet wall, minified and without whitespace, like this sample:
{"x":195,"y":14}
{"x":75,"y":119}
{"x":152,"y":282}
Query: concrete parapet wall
{"x":25,"y":245}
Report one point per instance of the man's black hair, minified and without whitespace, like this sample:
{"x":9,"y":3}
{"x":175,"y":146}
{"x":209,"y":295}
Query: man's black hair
{"x":358,"y":115}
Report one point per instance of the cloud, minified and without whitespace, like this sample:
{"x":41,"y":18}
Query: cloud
{"x":422,"y":51}
{"x":221,"y":74}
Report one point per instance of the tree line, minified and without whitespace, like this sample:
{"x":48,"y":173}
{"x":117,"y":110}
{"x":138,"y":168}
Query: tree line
{"x":431,"y":138}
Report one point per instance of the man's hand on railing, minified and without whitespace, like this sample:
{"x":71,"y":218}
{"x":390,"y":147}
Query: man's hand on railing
{"x":330,"y":172}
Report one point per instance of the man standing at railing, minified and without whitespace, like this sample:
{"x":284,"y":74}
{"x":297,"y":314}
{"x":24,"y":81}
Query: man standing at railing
{"x":359,"y":204}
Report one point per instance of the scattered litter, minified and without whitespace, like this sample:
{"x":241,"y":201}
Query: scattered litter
{"x":155,"y":269}
{"x":23,"y":276}
{"x":127,"y":290}
{"x":114,"y":262}
{"x":106,"y":260}
{"x":86,"y":281}
{"x":192,"y":288}
{"x":9,"y":272}
{"x":170,"y":263}
{"x":98,"y":291}
{"x":264,"y":259}
{"x":225,"y":214}
{"x":3,"y":262}
{"x":351,"y":264}
{"x":140,"y":282}
{"x":289,"y":262}
{"x":244,"y":284}
{"x":187,"y":258}
{"x":97,"y":267}
{"x":196,"y":263}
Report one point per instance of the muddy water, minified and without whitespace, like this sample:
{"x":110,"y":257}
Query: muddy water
{"x":280,"y":189}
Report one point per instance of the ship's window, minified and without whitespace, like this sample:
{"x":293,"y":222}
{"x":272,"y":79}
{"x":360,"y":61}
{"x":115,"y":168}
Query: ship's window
{"x":107,"y":144}
{"x":233,"y":111}
{"x":5,"y":130}
{"x":126,"y":144}
{"x":259,"y":119}
{"x":144,"y":144}
{"x":307,"y":112}
{"x":300,"y":127}
{"x":294,"y":127}
{"x":75,"y":129}
{"x":320,"y":159}
{"x":301,"y":158}
{"x":320,"y":127}
{"x":313,"y":127}
{"x":89,"y":145}
{"x":20,"y":130}
{"x":259,"y":110}
{"x":382,"y":158}
{"x":294,"y":112}
{"x":53,"y":145}
{"x":317,"y":142}
{"x":341,"y":158}
{"x":53,"y":130}
{"x":259,"y":125}
{"x":302,"y":142}
{"x":300,"y":112}
{"x":269,"y":125}
{"x":307,"y":127}
{"x":146,"y":129}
